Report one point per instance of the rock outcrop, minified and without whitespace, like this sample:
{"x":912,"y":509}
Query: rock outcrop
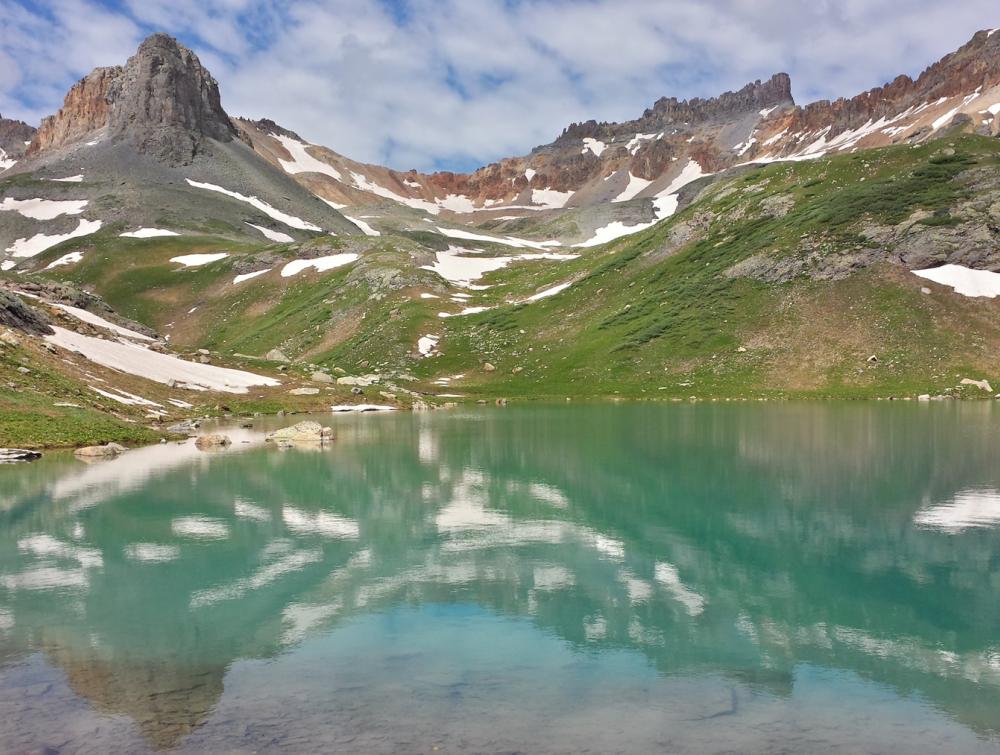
{"x":17,"y":315}
{"x":14,"y":136}
{"x":162,"y":101}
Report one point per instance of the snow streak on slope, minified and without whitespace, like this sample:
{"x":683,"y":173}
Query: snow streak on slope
{"x":302,"y":161}
{"x":281,"y":238}
{"x":281,"y":217}
{"x":148,"y":233}
{"x":321,"y":264}
{"x":506,"y":241}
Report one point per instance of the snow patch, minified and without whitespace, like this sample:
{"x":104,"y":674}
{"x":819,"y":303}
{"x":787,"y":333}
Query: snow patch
{"x":530,"y":173}
{"x":197,"y":260}
{"x":302,"y":161}
{"x":321,"y":264}
{"x":40,"y":242}
{"x":456,"y":233}
{"x":964,"y":280}
{"x":148,"y":233}
{"x":550,"y":198}
{"x":550,"y":291}
{"x":595,"y":146}
{"x":278,"y":236}
{"x":249,"y":276}
{"x":635,"y":186}
{"x":427,"y":344}
{"x":155,"y":366}
{"x":66,"y":259}
{"x":69,"y":179}
{"x":89,"y":317}
{"x":43,"y":209}
{"x":365,"y":228}
{"x":271,"y":212}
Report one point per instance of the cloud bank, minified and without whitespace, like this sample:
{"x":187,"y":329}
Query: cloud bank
{"x":453,"y":84}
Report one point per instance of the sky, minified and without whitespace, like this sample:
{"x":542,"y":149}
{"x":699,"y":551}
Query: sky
{"x":455,"y":84}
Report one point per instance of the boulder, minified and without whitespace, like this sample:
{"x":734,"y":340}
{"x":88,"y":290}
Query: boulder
{"x":302,"y":432}
{"x":213,"y":440}
{"x":275,"y":355}
{"x":981,"y":384}
{"x":109,"y":450}
{"x":489,"y":367}
{"x":320,"y":377}
{"x":304,"y":391}
{"x":187,"y":427}
{"x":361,"y":380}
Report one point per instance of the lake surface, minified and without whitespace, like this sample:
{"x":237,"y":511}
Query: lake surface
{"x":632,"y":578}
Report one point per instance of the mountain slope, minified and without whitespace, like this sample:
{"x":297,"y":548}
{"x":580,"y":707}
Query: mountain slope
{"x":742,"y":266}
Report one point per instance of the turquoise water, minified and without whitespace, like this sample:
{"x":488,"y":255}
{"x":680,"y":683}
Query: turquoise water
{"x":703,"y":578}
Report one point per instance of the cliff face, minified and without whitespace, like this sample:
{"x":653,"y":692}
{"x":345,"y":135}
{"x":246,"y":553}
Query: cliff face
{"x":162,"y":101}
{"x":13,"y":135}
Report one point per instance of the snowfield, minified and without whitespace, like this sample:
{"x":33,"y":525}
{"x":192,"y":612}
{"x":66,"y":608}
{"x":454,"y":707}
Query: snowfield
{"x":43,"y":209}
{"x":40,"y":242}
{"x":148,"y":233}
{"x":290,"y":220}
{"x":427,"y":344}
{"x":152,"y":365}
{"x":635,"y":186}
{"x":197,"y":260}
{"x":964,"y":280}
{"x":321,"y":264}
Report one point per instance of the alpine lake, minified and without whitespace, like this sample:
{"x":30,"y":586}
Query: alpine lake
{"x":635,"y":578}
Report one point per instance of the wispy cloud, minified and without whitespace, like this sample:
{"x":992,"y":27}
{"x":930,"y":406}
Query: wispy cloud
{"x":454,"y":83}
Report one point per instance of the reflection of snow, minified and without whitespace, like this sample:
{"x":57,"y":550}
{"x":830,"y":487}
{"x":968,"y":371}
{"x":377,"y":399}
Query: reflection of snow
{"x":319,"y":523}
{"x":264,"y":576}
{"x":667,"y":575}
{"x":969,"y":508}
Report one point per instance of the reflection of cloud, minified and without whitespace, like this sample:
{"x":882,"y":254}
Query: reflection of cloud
{"x":552,"y":577}
{"x":246,"y":510}
{"x":968,"y":509}
{"x":45,"y":578}
{"x":42,"y":546}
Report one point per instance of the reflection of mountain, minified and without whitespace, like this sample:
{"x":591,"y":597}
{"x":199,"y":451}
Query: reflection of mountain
{"x":710,"y":539}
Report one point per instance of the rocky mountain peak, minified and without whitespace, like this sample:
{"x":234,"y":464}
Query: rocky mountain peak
{"x":166,"y":103}
{"x":162,"y":101}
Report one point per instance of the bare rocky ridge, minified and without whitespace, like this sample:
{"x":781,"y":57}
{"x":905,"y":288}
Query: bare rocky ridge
{"x":13,"y":135}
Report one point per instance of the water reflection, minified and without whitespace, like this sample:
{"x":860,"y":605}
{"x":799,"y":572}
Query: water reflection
{"x":733,"y":543}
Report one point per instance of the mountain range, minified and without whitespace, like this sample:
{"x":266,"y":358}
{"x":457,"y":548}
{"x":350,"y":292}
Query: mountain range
{"x":162,"y":258}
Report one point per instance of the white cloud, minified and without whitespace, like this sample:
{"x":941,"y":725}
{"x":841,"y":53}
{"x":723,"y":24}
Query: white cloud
{"x":464,"y":83}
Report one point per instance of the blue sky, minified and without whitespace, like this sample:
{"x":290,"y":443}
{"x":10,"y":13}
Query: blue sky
{"x":454,"y":84}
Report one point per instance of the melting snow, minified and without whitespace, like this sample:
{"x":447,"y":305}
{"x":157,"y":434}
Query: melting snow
{"x":550,"y":291}
{"x":40,"y":242}
{"x":691,"y":172}
{"x":550,"y":198}
{"x":427,"y":344}
{"x":334,"y":205}
{"x":593,"y":145}
{"x":248,"y":276}
{"x":89,"y":317}
{"x":635,"y":143}
{"x":302,"y":161}
{"x":196,"y":260}
{"x":663,"y":208}
{"x":635,"y":186}
{"x":6,"y":162}
{"x":69,"y":179}
{"x":464,"y":270}
{"x":275,"y":214}
{"x":66,"y":259}
{"x":506,"y":241}
{"x":7,"y":265}
{"x":152,"y":365}
{"x":342,"y":408}
{"x":767,"y":111}
{"x":129,"y":399}
{"x":281,"y":238}
{"x":964,"y":280}
{"x":148,"y":233}
{"x":365,"y":228}
{"x":530,"y":173}
{"x":43,"y":209}
{"x":322,"y":264}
